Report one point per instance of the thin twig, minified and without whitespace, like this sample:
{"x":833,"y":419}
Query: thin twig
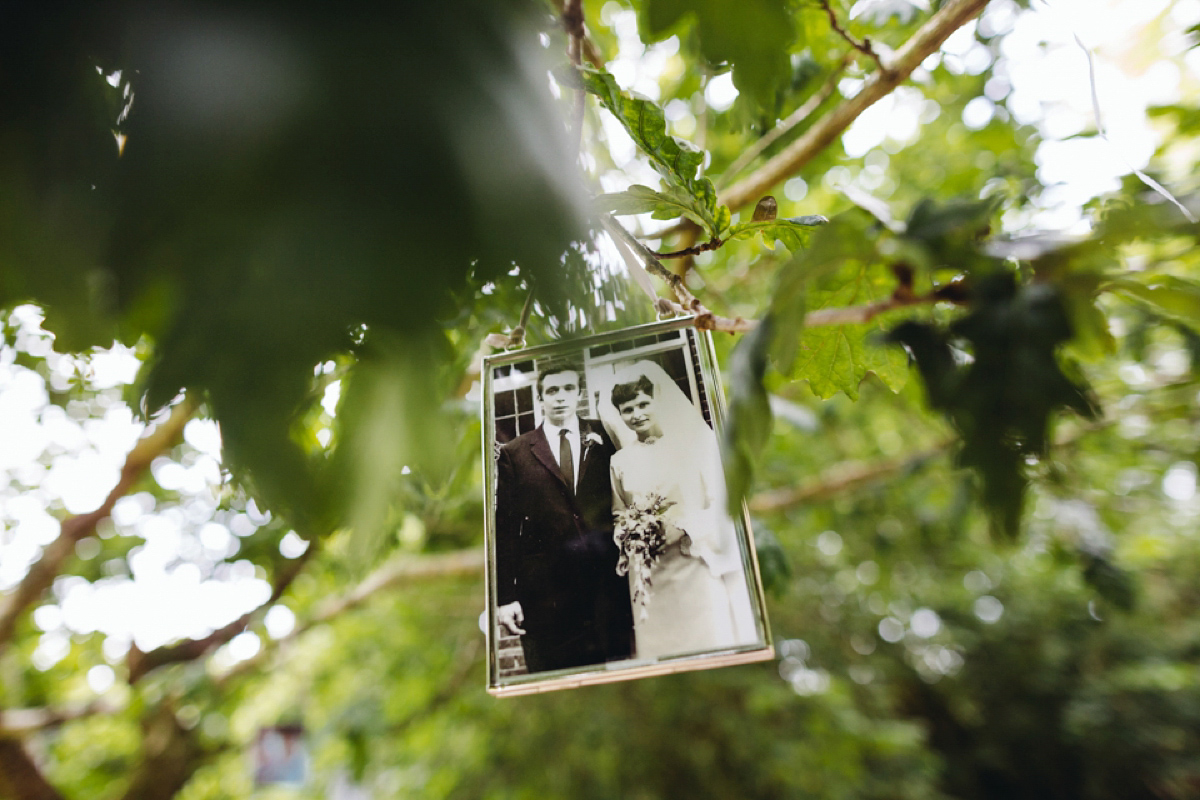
{"x":695,"y":250}
{"x":517,"y":337}
{"x":684,"y":295}
{"x":687,"y":303}
{"x":456,"y":563}
{"x":634,"y":252}
{"x":863,"y":47}
{"x":857,"y":315}
{"x":850,"y":315}
{"x":929,"y":37}
{"x":588,"y":47}
{"x":572,"y":19}
{"x":41,"y":575}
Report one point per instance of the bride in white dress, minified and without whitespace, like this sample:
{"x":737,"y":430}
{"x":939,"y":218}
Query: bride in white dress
{"x":699,"y":599}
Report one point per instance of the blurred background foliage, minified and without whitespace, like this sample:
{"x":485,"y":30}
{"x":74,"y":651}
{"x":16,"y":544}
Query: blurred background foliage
{"x":282,"y":234}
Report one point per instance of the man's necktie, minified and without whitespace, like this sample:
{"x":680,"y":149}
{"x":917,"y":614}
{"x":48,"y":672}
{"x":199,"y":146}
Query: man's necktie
{"x":566,"y":462}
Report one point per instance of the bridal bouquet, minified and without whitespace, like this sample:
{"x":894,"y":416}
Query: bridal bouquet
{"x":641,"y":538}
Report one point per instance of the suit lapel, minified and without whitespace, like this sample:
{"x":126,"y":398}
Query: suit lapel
{"x":541,"y":451}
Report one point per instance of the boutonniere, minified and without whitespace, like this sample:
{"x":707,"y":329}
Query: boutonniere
{"x":591,"y":439}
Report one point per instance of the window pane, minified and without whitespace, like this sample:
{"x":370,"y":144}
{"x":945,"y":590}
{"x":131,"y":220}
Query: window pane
{"x":504,"y":404}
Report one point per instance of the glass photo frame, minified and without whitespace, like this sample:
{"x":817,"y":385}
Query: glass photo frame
{"x":610,"y":551}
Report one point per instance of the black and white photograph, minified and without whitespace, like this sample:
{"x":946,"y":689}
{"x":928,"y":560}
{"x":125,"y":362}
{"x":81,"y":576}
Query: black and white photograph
{"x":280,"y":756}
{"x":612,"y":552}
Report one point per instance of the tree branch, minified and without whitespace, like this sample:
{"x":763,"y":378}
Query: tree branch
{"x":806,"y":109}
{"x":140,"y":663}
{"x":170,"y":756}
{"x":456,"y":563}
{"x":842,"y":477}
{"x":156,"y":442}
{"x":18,"y":722}
{"x":707,"y":320}
{"x":20,"y":776}
{"x":863,"y":47}
{"x":950,"y":17}
{"x":851,"y":475}
{"x":572,"y":19}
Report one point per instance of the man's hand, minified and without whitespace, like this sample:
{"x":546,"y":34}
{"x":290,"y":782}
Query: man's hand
{"x":510,"y":618}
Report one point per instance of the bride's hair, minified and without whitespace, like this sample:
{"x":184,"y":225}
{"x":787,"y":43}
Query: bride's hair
{"x":624,"y":392}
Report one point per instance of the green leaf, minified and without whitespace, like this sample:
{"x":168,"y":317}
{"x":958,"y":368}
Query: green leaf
{"x":846,"y":236}
{"x":964,"y":219}
{"x":668,"y":204}
{"x":773,"y":563}
{"x":1109,"y":579}
{"x":835,"y":358}
{"x":750,"y":416}
{"x":389,"y":419}
{"x":793,"y":232}
{"x":948,"y":234}
{"x":1093,"y":340}
{"x":677,"y":161}
{"x":721,"y":220}
{"x":1171,"y":296}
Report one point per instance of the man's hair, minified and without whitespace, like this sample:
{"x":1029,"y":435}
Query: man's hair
{"x":624,"y":392}
{"x":555,"y":366}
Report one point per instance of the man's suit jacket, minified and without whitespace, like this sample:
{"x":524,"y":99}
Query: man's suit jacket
{"x":555,"y":552}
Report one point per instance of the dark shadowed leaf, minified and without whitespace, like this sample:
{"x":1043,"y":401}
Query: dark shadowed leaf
{"x":270,"y":207}
{"x":1002,"y":403}
{"x":750,"y":416}
{"x":755,"y":36}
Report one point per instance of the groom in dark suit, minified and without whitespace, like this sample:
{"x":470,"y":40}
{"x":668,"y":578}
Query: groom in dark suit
{"x":556,"y":560}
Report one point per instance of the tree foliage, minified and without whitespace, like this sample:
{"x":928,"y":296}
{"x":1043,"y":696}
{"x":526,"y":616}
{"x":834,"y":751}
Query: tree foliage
{"x":303,"y":223}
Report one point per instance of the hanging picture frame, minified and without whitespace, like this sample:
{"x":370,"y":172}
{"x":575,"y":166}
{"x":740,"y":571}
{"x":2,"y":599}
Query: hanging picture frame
{"x":280,"y":756}
{"x":610,"y":552}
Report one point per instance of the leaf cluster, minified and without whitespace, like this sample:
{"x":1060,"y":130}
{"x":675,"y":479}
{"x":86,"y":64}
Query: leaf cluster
{"x":330,"y":184}
{"x":1002,"y":401}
